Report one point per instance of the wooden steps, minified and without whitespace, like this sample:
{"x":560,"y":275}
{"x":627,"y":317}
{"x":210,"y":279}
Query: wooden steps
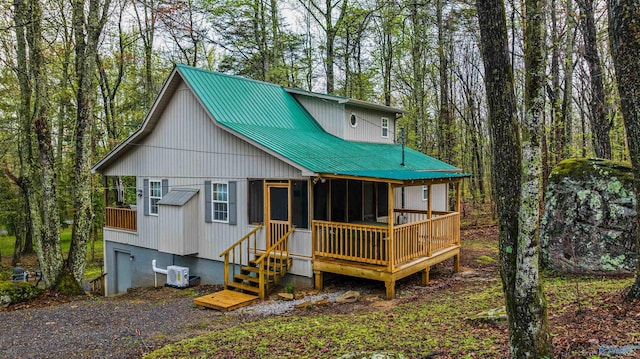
{"x":225,"y":300}
{"x":244,"y":284}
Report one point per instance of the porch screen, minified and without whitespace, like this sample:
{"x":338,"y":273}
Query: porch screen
{"x":300,"y":204}
{"x":320,"y":201}
{"x":383,"y":199}
{"x":256,"y":202}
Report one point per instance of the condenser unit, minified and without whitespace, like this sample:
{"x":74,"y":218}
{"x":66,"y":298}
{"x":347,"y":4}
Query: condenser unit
{"x":178,"y":276}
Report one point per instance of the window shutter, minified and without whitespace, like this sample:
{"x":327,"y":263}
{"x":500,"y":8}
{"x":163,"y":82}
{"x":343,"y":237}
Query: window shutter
{"x":208,"y":216}
{"x":145,"y":196}
{"x":165,"y":187}
{"x":233,"y":207}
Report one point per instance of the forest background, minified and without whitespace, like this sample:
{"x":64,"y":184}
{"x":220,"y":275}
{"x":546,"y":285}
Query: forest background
{"x":78,"y":77}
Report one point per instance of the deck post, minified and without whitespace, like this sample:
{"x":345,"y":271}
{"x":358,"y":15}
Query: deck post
{"x":318,"y":280}
{"x":390,"y":285}
{"x":458,"y":196}
{"x":425,"y":276}
{"x":390,"y":239}
{"x":456,"y":263}
{"x":429,"y":201}
{"x":106,"y":190}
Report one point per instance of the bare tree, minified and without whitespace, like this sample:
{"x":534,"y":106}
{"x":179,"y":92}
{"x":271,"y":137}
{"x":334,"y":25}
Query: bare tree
{"x":600,"y":124}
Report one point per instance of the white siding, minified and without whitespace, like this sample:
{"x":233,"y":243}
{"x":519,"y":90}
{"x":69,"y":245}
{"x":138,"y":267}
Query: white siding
{"x":413,"y":198}
{"x":118,"y":236}
{"x":179,"y":228}
{"x":185,"y":142}
{"x":369,"y":126}
{"x":329,"y":114}
{"x":187,"y":148}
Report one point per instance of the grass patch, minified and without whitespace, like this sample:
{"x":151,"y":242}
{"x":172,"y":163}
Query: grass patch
{"x":432,"y":324}
{"x":93,"y":267}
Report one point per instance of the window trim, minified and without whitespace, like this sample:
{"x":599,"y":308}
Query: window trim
{"x":353,"y":115}
{"x":159,"y":182}
{"x":214,"y":201}
{"x":385,"y":128}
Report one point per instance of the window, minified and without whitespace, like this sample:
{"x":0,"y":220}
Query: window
{"x":385,"y":127}
{"x":353,"y":120}
{"x":425,"y":193}
{"x":155,"y":194}
{"x":220,"y":201}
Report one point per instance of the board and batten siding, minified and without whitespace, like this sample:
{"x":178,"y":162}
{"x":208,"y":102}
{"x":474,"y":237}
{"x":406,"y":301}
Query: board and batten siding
{"x":413,"y":198}
{"x":187,"y":148}
{"x":186,"y":143}
{"x":327,"y":113}
{"x":178,"y":230}
{"x":369,"y":125}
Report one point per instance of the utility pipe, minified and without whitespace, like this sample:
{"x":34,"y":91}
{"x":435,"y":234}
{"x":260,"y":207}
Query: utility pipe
{"x":157,"y":270}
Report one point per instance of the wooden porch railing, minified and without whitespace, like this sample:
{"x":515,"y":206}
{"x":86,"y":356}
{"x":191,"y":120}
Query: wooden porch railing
{"x":240,"y":253}
{"x":404,"y":216}
{"x":370,"y":244}
{"x":274,"y":262}
{"x":352,"y":242}
{"x":120,"y":218}
{"x":423,"y":238}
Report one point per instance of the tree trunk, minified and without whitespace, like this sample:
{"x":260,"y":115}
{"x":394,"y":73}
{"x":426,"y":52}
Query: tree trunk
{"x":532,"y":326}
{"x":624,"y":34}
{"x":87,"y":34}
{"x":42,"y":207}
{"x":515,"y":264}
{"x":445,"y":130}
{"x":567,"y":98}
{"x":50,"y":237}
{"x":600,"y":125}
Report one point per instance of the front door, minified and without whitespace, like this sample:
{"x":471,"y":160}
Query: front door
{"x":277,"y":213}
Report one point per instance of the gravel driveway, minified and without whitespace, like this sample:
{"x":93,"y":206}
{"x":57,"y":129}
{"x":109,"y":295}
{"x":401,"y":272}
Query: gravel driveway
{"x":101,"y":327}
{"x":121,"y":327}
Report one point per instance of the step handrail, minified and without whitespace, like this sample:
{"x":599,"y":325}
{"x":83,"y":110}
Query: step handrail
{"x":281,"y":246}
{"x":236,"y":250}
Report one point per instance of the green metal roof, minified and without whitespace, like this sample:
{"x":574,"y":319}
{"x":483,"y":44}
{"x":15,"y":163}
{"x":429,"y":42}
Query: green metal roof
{"x":271,"y":117}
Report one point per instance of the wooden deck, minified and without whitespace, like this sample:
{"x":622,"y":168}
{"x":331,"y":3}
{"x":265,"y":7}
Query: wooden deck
{"x":386,"y":252}
{"x":225,"y":300}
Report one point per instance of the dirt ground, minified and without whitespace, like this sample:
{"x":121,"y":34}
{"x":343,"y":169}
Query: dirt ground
{"x":144,"y":319}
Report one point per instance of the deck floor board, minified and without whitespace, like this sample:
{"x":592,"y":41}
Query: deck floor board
{"x":225,"y":300}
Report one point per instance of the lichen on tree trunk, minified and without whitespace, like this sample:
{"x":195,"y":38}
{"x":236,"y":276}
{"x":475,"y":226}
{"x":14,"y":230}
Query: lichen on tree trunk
{"x":517,"y":205}
{"x":87,"y":30}
{"x":624,"y":34}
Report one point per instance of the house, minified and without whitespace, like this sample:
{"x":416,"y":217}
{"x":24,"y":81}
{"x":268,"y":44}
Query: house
{"x":231,"y":171}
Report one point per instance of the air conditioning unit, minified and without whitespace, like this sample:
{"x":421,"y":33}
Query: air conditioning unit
{"x":178,"y":276}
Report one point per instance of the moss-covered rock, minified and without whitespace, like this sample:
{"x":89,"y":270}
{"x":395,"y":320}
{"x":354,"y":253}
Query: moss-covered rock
{"x":588,"y":225}
{"x":11,"y":293}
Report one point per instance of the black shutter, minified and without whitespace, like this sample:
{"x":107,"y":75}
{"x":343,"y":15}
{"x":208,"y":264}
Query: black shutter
{"x":233,"y":207}
{"x":208,"y":216}
{"x":165,"y":187}
{"x":145,"y":196}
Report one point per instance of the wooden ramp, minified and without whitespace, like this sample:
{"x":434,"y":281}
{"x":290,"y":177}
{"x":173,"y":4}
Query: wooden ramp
{"x":225,"y":300}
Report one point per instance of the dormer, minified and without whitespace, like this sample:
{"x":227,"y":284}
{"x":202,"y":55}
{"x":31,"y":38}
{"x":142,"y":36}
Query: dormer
{"x":350,"y":119}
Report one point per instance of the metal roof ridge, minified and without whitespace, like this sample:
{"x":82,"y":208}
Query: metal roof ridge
{"x":222,"y":74}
